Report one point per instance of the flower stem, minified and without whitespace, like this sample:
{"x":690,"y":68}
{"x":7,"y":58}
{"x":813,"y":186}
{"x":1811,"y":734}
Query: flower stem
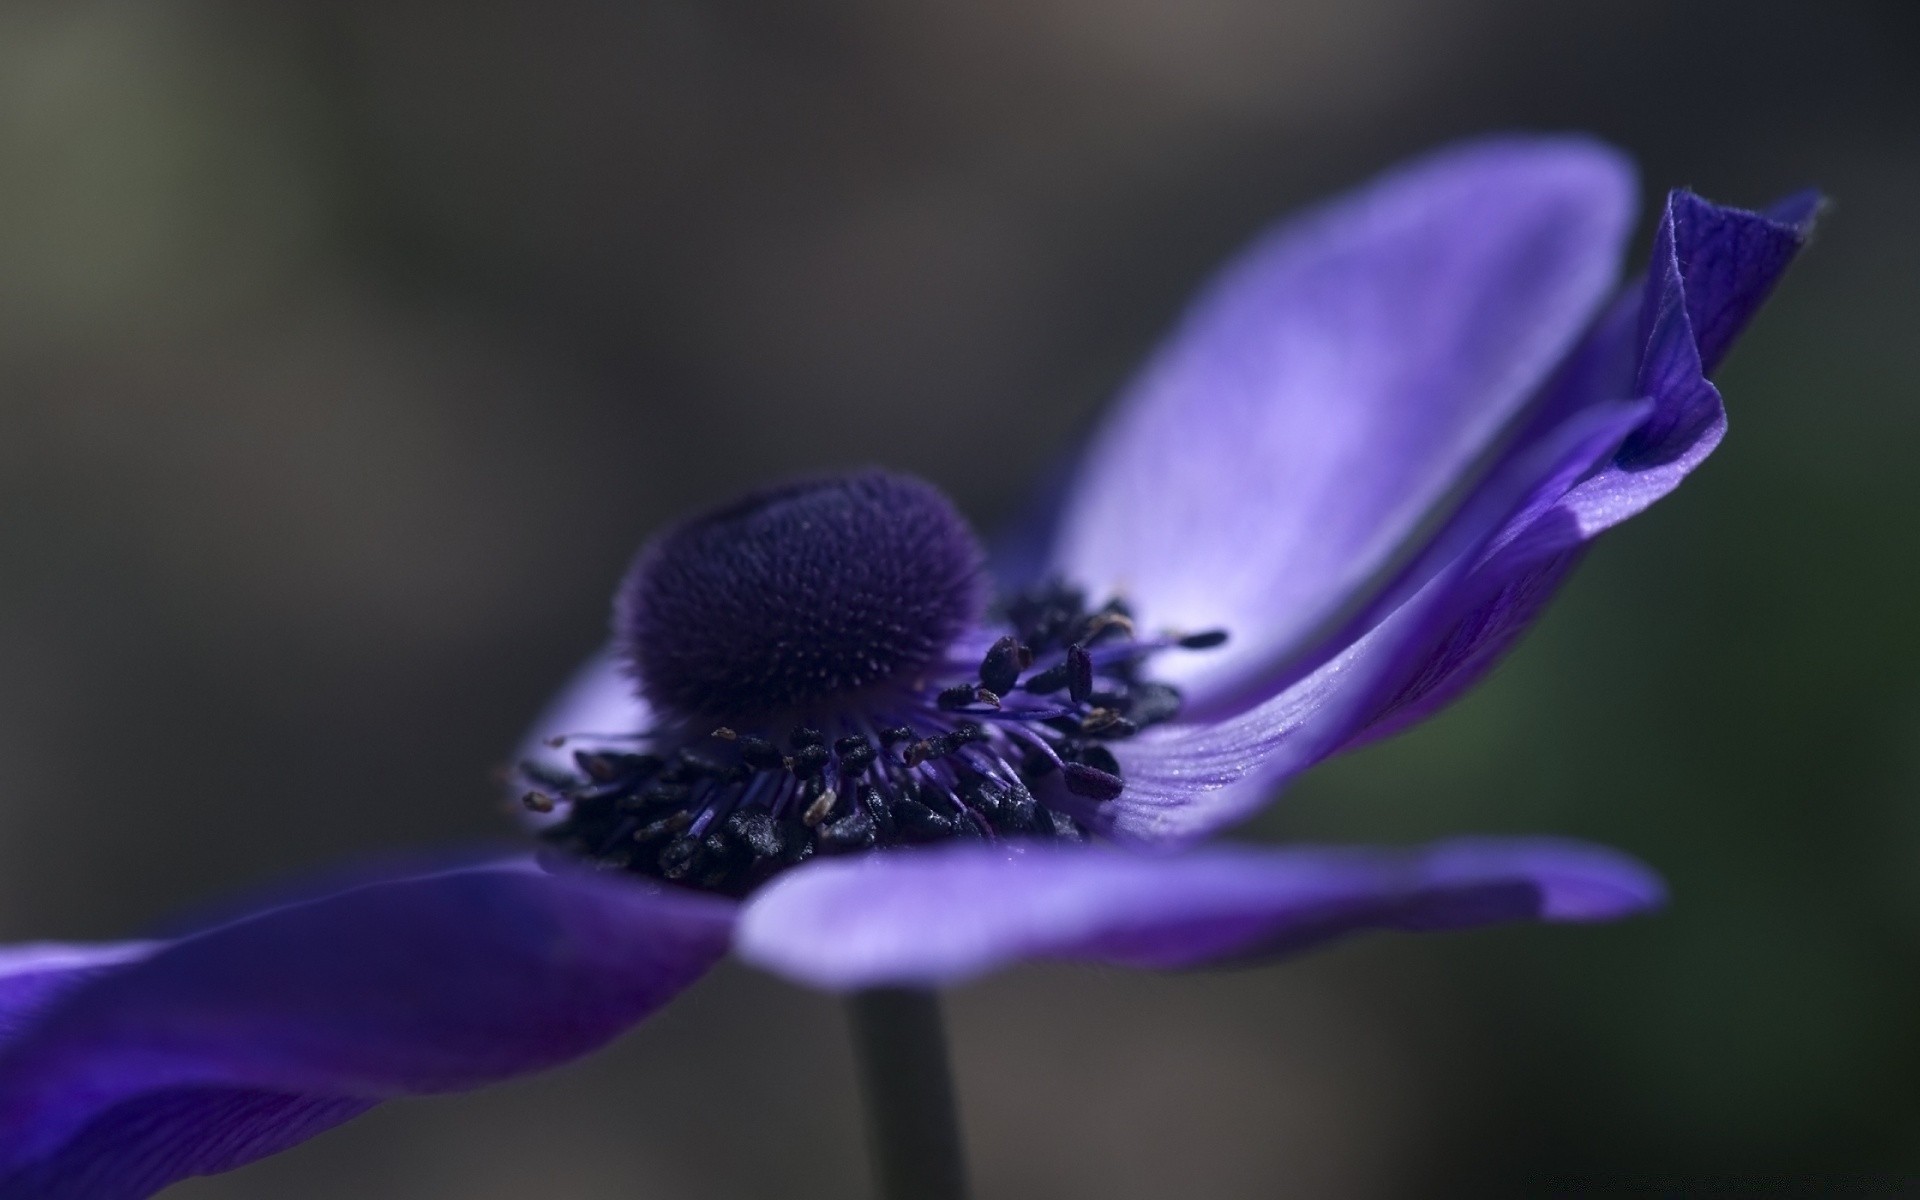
{"x":913,"y":1127}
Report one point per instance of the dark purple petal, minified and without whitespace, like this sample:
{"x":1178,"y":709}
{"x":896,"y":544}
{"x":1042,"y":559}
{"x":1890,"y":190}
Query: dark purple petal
{"x":142,"y":1146}
{"x":1189,"y":779}
{"x":935,"y":917}
{"x":123,"y":1069}
{"x":1727,"y":262}
{"x":1333,"y":386}
{"x":1712,"y":268}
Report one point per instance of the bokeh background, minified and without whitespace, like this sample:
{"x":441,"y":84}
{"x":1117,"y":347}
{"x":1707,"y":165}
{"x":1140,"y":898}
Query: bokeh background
{"x":347,"y":350}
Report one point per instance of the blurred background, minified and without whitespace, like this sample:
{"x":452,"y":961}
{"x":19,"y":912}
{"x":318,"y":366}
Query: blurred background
{"x":348,"y":349}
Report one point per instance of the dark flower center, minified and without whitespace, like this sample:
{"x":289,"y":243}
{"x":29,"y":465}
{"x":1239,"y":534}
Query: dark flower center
{"x":799,"y":595}
{"x":823,"y":684}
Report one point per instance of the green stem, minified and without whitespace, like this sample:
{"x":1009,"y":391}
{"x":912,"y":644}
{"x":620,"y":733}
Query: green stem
{"x":913,"y":1127}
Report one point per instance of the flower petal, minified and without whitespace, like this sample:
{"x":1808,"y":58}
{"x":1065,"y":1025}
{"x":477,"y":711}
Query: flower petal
{"x":1334,"y":386}
{"x":34,"y":976}
{"x":1712,"y":268}
{"x":131,"y":1067}
{"x":935,"y":917}
{"x":1190,"y":778}
{"x":1185,"y":780}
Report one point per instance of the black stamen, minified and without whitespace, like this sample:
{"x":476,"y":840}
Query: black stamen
{"x":1000,"y":669}
{"x":1091,"y":782}
{"x":851,"y":832}
{"x":796,"y":842}
{"x":920,"y":823}
{"x":856,"y":754}
{"x":1050,"y":680}
{"x":810,"y":760}
{"x":680,"y":857}
{"x":1079,"y":673}
{"x":660,"y":794}
{"x":653,"y":831}
{"x":693,"y":765}
{"x":1095,"y":755}
{"x":547,"y":776}
{"x":1150,"y":703}
{"x":1108,"y":620}
{"x":875,"y":806}
{"x":756,"y":831}
{"x":1203,"y":641}
{"x":821,"y":808}
{"x":960,"y":695}
{"x":761,"y":754}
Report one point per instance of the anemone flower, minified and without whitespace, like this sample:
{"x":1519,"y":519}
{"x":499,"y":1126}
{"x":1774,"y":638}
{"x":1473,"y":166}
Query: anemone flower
{"x":822,"y":740}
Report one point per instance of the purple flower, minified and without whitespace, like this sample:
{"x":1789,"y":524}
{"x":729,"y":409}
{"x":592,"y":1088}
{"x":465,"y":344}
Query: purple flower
{"x":821,"y":741}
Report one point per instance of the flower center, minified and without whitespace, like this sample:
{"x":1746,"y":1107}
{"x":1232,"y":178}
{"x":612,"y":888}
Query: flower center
{"x":798,"y":596}
{"x":823,"y":685}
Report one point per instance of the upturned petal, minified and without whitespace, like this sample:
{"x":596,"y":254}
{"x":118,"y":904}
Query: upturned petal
{"x":126,"y":1068}
{"x":1457,"y":615}
{"x":935,"y":917}
{"x":1711,"y":270}
{"x":1331,"y":389}
{"x":1187,"y":779}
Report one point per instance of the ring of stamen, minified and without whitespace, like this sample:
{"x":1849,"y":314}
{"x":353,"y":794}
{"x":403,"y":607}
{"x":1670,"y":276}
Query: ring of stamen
{"x":880,"y":732}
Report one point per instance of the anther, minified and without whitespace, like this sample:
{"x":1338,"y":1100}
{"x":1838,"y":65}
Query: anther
{"x":1079,"y":673}
{"x":547,"y":775}
{"x":1202,"y":641}
{"x":665,"y":826}
{"x":1001,"y":668}
{"x":920,"y":823}
{"x":660,"y":792}
{"x":1092,"y":782}
{"x":756,"y":831}
{"x":960,"y":695}
{"x":598,"y":767}
{"x":1050,"y":680}
{"x":820,"y":809}
{"x":851,"y":832}
{"x":796,"y":842}
{"x":875,"y":806}
{"x":538,"y":802}
{"x":809,"y":761}
{"x":694,"y":765}
{"x":855,"y":753}
{"x":1016,"y":815}
{"x":761,"y":754}
{"x":983,"y":796}
{"x":1151,"y":703}
{"x":677,"y":861}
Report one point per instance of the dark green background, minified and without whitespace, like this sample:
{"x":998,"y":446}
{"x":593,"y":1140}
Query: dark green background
{"x":347,"y":350}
